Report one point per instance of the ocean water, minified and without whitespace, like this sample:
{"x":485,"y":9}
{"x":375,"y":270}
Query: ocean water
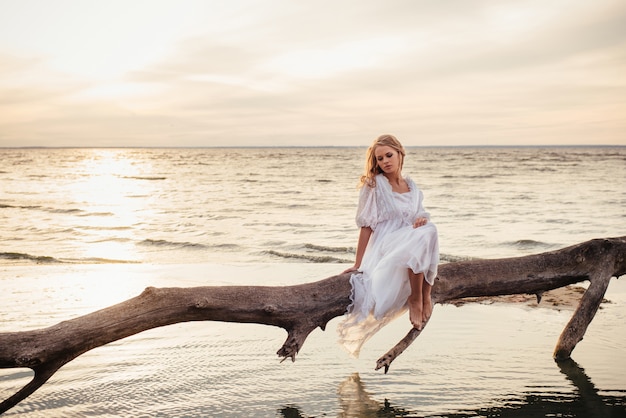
{"x":81,"y":229}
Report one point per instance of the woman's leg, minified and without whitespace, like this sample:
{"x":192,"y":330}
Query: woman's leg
{"x":427,"y":301}
{"x":419,"y":301}
{"x":415,"y":300}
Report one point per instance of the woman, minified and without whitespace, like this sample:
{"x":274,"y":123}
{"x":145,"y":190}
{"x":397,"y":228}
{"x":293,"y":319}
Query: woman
{"x":397,"y":251}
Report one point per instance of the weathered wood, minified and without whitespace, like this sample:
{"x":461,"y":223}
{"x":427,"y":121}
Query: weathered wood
{"x":587,"y":308}
{"x":298,"y":309}
{"x":302,"y":308}
{"x":596,"y":260}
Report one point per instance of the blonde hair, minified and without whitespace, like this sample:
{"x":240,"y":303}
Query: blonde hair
{"x":371,"y":165}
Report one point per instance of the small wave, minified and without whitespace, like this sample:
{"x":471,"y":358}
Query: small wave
{"x":54,"y":210}
{"x":226,"y":246}
{"x":449,"y":258}
{"x":3,"y":206}
{"x":219,"y":217}
{"x":558,"y":221}
{"x":44,"y":209}
{"x":308,"y":257}
{"x":291,"y":224}
{"x":80,"y":212}
{"x":166,"y":243}
{"x":103,"y":228}
{"x":28,"y":257}
{"x":98,"y":260}
{"x":96,"y":214}
{"x":144,"y":177}
{"x":481,"y":176}
{"x":324,"y":248}
{"x":528,"y":244}
{"x":114,"y":239}
{"x":474,"y":176}
{"x":44,"y":259}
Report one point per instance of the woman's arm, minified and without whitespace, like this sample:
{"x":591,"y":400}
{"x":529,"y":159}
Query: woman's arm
{"x":364,"y":238}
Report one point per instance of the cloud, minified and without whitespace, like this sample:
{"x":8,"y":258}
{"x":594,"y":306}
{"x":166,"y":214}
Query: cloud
{"x":450,"y":72}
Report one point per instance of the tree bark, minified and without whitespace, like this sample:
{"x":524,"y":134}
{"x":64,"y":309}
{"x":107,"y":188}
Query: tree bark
{"x":302,"y":308}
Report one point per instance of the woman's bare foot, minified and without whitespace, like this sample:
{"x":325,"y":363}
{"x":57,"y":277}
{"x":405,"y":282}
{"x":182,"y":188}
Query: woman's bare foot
{"x":416,"y":311}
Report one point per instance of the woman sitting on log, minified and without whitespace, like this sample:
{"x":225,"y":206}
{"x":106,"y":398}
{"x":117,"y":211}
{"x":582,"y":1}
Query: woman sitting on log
{"x":397,"y":251}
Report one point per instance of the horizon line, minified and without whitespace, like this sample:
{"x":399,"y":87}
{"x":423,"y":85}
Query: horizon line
{"x":308,"y":146}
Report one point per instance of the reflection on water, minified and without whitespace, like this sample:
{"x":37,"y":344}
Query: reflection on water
{"x":589,"y":400}
{"x":354,"y":399}
{"x":584,"y":402}
{"x":291,"y":412}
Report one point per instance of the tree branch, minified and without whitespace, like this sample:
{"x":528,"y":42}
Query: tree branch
{"x":596,"y":260}
{"x":302,"y":308}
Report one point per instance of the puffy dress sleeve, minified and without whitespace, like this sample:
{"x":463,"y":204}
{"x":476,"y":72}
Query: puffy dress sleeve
{"x":367,"y":211}
{"x":421,"y":212}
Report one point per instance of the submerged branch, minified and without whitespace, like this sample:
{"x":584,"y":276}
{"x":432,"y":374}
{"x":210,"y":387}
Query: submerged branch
{"x":302,"y":308}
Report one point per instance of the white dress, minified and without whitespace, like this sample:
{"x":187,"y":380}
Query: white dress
{"x":381,"y":286}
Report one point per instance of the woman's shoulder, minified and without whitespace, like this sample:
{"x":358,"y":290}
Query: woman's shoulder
{"x":367,"y":183}
{"x":382,"y":183}
{"x":409,"y":180}
{"x":380,"y":179}
{"x":412,"y":185}
{"x":374,"y":182}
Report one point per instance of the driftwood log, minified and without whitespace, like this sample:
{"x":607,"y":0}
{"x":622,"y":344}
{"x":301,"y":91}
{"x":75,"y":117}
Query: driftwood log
{"x":302,"y":308}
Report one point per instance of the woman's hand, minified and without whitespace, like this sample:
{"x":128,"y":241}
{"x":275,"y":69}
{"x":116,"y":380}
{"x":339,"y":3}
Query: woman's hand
{"x":350,"y":270}
{"x":420,"y":222}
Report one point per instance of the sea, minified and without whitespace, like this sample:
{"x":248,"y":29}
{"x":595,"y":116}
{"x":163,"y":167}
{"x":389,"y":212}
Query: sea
{"x":84,"y":228}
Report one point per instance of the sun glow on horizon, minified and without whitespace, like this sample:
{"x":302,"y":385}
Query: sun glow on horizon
{"x":106,"y":189}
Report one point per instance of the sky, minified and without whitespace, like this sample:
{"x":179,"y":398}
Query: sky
{"x":317,"y":73}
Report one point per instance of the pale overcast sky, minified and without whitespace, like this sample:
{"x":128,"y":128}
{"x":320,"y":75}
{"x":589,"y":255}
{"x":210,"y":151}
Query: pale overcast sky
{"x":295,"y":72}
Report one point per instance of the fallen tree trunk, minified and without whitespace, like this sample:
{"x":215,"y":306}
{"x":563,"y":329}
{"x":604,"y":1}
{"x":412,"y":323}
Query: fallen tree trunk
{"x":302,"y":308}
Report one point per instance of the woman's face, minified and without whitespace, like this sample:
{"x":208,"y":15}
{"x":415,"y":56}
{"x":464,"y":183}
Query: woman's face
{"x":388,"y":159}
